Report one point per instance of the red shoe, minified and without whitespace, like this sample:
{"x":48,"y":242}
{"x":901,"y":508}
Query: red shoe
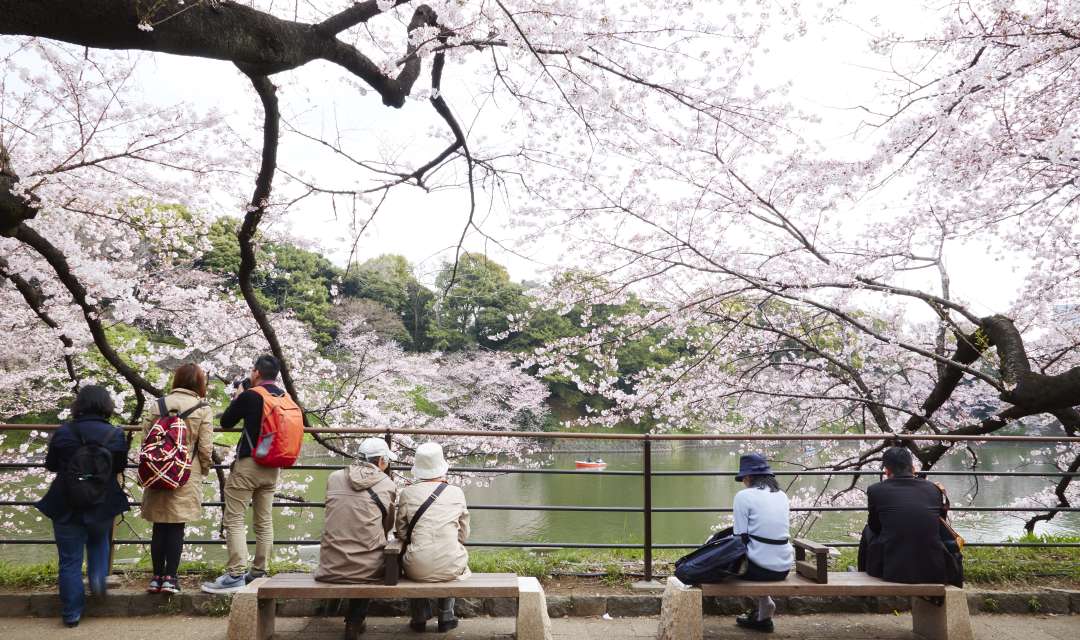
{"x":155,"y":585}
{"x":169,"y":584}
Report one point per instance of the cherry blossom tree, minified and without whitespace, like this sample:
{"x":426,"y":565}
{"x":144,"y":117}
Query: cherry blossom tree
{"x":636,"y":134}
{"x":798,"y":279}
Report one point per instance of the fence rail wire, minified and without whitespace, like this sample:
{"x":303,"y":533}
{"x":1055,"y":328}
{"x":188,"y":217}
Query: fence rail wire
{"x":646,"y":474}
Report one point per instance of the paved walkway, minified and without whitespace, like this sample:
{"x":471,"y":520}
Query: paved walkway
{"x":812,"y":627}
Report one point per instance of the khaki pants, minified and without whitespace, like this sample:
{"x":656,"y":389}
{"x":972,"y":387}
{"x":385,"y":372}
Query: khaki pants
{"x":249,"y":482}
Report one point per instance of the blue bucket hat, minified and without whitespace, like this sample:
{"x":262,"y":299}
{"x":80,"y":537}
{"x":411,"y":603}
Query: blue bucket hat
{"x":753,"y":464}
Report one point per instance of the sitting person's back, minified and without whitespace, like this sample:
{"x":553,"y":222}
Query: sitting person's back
{"x":433,"y":522}
{"x":902,"y":542}
{"x":436,"y":550}
{"x":359,"y":513}
{"x":358,"y":516}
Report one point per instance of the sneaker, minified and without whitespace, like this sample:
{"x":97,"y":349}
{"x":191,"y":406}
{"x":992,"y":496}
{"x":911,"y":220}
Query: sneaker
{"x":253,"y":574}
{"x":155,"y":585}
{"x":750,"y":621}
{"x":418,"y":625}
{"x":170,"y":584}
{"x":71,"y":624}
{"x":447,"y":625}
{"x":226,"y":583}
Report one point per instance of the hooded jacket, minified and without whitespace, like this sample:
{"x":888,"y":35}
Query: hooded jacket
{"x":437,"y":551}
{"x":354,"y":531}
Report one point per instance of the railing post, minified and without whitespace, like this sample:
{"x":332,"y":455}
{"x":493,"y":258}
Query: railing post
{"x":646,"y":478}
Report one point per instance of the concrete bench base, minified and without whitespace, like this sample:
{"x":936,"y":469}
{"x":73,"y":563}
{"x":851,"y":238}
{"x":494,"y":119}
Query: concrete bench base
{"x":253,"y":610}
{"x":945,"y":618}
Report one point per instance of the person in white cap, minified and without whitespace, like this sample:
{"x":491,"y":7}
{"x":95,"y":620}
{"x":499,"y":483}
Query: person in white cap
{"x":360,"y":502}
{"x":433,"y":522}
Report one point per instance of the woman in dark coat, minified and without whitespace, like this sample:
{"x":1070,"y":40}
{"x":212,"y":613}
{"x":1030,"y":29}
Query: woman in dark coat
{"x":80,"y":529}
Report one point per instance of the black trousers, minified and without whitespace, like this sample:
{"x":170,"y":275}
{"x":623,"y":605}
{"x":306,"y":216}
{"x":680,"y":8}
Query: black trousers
{"x":420,"y":609}
{"x":357,"y":610}
{"x":758,"y":573}
{"x":166,"y":544}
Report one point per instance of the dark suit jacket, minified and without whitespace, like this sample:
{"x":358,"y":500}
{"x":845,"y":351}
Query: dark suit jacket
{"x":62,"y":447}
{"x":901,"y":541}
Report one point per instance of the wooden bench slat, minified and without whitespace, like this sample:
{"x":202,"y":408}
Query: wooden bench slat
{"x":842,"y":583}
{"x":303,"y":585}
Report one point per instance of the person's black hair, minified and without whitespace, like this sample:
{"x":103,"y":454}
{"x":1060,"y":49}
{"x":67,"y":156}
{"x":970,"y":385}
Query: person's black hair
{"x":268,"y":367}
{"x":898,"y":461}
{"x":93,"y":400}
{"x":764,"y":482}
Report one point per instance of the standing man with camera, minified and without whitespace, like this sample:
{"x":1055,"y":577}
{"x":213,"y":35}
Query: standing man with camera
{"x":272,"y":432}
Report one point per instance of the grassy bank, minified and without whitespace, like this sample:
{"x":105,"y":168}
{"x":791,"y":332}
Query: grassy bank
{"x":991,"y":566}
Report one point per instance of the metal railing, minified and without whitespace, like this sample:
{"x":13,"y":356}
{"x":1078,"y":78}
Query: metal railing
{"x":647,"y":474}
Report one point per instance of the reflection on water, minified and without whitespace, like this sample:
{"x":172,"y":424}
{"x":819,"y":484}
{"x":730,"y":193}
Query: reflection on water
{"x":602,"y":489}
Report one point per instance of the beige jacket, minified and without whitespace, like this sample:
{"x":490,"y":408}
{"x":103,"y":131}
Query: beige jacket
{"x":183,"y":504}
{"x":437,"y":550}
{"x":354,"y":530}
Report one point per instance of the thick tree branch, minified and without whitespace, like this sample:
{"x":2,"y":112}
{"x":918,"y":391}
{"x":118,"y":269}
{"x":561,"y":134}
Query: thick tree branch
{"x":359,"y":13}
{"x":230,"y":31}
{"x":14,"y":210}
{"x":443,"y":109}
{"x":59,"y":263}
{"x":968,"y":350}
{"x":35,"y":299}
{"x":246,"y":237}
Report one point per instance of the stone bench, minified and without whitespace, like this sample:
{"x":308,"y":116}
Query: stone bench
{"x":254,"y":607}
{"x":946,"y":618}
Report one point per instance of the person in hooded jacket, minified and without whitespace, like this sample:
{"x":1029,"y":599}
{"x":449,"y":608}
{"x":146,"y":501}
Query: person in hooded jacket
{"x":360,"y":502}
{"x":170,"y":509}
{"x":435,"y":550}
{"x":84,"y":530}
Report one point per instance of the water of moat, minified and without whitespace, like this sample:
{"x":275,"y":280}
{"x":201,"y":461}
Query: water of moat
{"x":609,"y":490}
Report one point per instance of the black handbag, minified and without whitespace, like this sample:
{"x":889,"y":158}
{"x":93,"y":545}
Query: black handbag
{"x":722,"y":556}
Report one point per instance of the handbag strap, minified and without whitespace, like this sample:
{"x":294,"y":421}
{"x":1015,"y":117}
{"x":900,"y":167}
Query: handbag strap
{"x":378,"y":502}
{"x":422,"y":509}
{"x":775,"y":541}
{"x":186,"y":414}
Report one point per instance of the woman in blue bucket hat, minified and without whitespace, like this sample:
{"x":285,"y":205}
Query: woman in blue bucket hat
{"x":761,"y":512}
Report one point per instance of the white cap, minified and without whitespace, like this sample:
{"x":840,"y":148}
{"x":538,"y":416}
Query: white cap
{"x":376,"y":448}
{"x":429,"y":462}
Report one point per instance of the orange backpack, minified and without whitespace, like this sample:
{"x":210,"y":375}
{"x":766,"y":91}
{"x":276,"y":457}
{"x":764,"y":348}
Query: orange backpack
{"x":282,"y":431}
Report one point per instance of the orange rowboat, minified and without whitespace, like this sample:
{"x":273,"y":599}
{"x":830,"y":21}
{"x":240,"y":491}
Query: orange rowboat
{"x":590,"y":464}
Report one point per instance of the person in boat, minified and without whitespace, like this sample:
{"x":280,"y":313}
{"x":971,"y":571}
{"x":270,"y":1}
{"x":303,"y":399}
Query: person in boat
{"x":761,"y":511}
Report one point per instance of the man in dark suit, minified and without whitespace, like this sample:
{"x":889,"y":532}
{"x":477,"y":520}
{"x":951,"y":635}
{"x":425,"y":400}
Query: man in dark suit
{"x":901,"y":541}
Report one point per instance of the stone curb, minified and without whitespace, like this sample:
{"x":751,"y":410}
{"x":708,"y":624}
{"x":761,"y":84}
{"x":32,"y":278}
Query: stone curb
{"x":133,"y":604}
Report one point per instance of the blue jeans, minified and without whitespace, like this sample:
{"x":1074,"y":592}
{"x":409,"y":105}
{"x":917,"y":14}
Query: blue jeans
{"x":71,"y":539}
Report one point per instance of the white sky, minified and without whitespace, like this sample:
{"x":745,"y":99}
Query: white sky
{"x":829,"y":69}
